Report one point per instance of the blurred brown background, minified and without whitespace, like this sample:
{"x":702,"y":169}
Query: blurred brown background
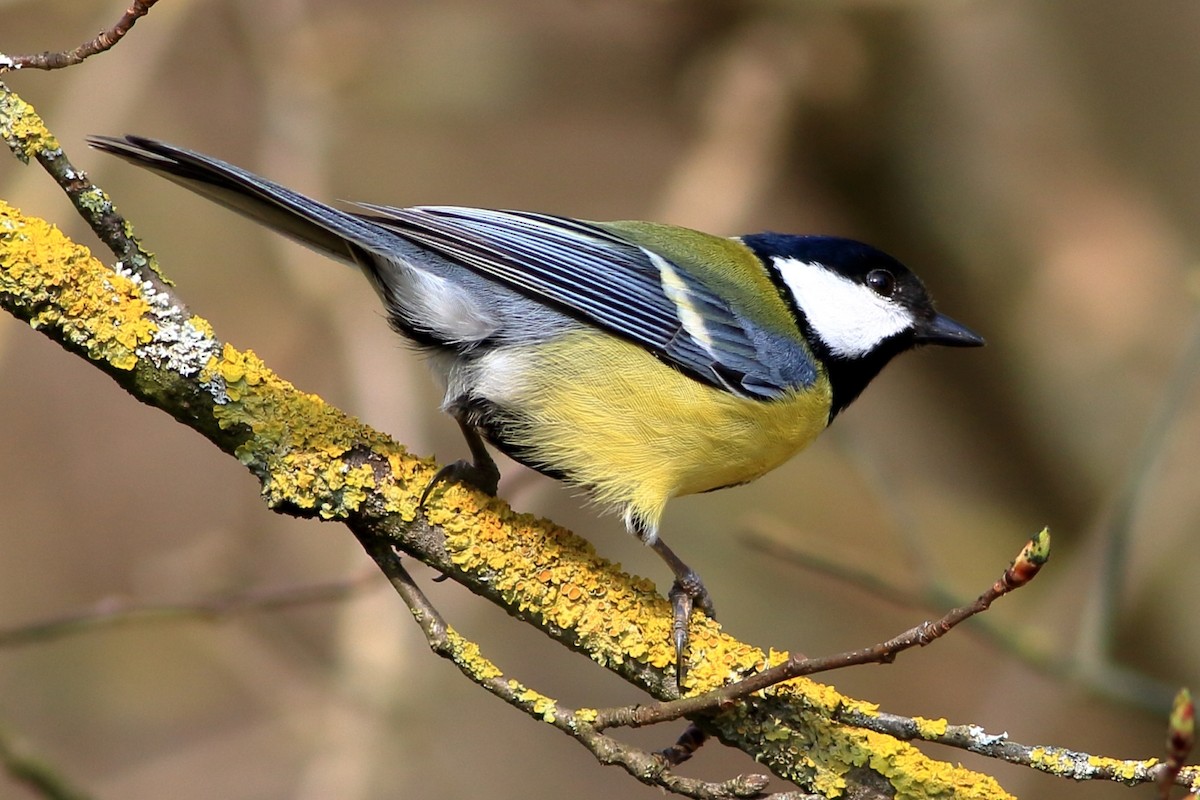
{"x":1035,"y":162}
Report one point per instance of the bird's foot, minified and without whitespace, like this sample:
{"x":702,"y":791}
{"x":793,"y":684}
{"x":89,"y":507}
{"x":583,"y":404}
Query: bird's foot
{"x":686,"y":593}
{"x":483,"y":477}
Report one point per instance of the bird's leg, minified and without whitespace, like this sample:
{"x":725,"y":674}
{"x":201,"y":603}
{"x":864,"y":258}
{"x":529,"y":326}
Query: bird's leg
{"x":480,"y":472}
{"x":686,"y":593}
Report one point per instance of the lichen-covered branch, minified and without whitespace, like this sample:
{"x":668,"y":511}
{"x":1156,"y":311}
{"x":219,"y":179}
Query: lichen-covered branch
{"x":1058,"y":761}
{"x":29,"y":140}
{"x":645,"y":766}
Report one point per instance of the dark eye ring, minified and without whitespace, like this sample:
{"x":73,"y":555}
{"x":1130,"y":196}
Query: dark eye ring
{"x":882,"y":282}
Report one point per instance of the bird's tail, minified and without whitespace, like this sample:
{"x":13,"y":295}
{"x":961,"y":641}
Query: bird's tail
{"x":338,"y":234}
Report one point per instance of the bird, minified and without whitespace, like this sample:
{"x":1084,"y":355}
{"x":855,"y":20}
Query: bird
{"x":638,"y":361}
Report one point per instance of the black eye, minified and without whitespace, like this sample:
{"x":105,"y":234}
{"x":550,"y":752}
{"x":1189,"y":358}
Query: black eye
{"x":882,"y":282}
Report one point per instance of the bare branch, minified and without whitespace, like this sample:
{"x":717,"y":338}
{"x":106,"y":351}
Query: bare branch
{"x":39,"y":776}
{"x":109,"y":613}
{"x":1116,"y":528}
{"x":104,"y":40}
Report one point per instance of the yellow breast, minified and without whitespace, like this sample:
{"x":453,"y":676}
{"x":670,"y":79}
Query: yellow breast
{"x":635,"y":432}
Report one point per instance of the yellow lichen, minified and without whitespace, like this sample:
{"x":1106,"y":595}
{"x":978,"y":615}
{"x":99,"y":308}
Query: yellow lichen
{"x":930,"y":728}
{"x":201,"y":324}
{"x":297,"y":439}
{"x":801,"y":743}
{"x":61,"y":286}
{"x":21,"y":127}
{"x":1124,"y":770}
{"x":915,"y":776}
{"x":829,"y":784}
{"x":538,"y":703}
{"x":467,"y":656}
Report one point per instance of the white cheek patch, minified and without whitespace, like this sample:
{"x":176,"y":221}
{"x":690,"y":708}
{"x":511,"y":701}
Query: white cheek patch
{"x":850,"y":318}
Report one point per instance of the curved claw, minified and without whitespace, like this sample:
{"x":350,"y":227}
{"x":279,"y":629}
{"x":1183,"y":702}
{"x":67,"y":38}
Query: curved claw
{"x":686,"y":593}
{"x":485,"y":478}
{"x":681,"y":604}
{"x":481,"y":474}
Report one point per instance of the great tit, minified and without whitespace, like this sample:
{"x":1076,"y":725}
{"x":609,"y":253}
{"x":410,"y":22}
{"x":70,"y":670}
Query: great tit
{"x":636,"y":360}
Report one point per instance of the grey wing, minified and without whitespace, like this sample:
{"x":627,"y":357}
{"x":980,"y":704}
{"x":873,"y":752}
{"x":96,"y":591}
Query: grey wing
{"x":570,"y":267}
{"x":594,"y":275}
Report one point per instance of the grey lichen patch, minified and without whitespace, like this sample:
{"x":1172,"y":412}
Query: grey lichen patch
{"x":180,"y":343}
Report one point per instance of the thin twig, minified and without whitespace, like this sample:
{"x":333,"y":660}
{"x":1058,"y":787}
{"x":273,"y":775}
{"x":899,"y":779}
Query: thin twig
{"x":1095,"y":646}
{"x":104,"y":40}
{"x":110,"y":613}
{"x":40,"y":777}
{"x":1031,"y":558}
{"x":768,"y":544}
{"x":1114,"y":682}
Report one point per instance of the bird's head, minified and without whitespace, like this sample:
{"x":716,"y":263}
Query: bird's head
{"x":857,"y":306}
